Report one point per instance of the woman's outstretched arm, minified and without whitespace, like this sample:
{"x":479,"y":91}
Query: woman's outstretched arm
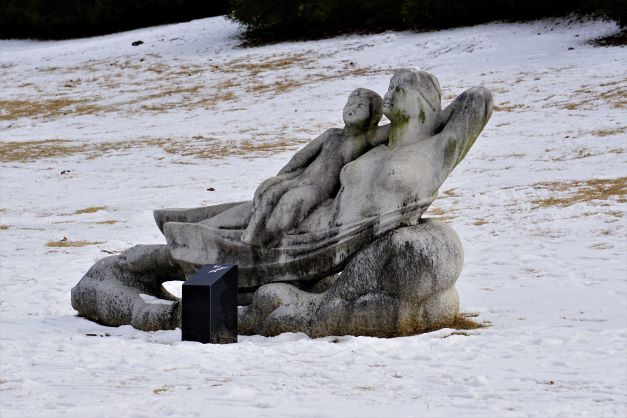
{"x":462,"y":122}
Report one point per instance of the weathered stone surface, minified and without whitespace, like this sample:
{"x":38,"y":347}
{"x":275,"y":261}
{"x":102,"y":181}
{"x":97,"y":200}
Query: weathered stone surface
{"x":380,"y":193}
{"x":403,"y":283}
{"x":126,"y":289}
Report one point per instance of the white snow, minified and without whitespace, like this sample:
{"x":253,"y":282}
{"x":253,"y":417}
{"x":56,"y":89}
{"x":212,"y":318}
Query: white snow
{"x":154,"y":301}
{"x":159,"y":124}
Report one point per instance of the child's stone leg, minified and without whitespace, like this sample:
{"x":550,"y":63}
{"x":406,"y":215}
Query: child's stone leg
{"x":293,"y":207}
{"x":256,"y":230}
{"x":268,"y":184}
{"x":263,"y":187}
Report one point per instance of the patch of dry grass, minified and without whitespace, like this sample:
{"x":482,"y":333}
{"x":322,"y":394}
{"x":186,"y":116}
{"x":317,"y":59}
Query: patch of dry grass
{"x":199,"y":147}
{"x":63,"y":243}
{"x":609,"y":132}
{"x":568,"y":193}
{"x":440,"y":214}
{"x":271,"y":64}
{"x":584,"y":152}
{"x":289,"y":84}
{"x":170,"y":92}
{"x":515,"y":155}
{"x":90,"y":209}
{"x":162,"y":389}
{"x":449,"y":193}
{"x":509,"y":107}
{"x":149,"y":84}
{"x":45,"y":108}
{"x":464,"y":321}
{"x":4,"y":227}
{"x":110,"y":222}
{"x":587,"y":97}
{"x":23,"y":151}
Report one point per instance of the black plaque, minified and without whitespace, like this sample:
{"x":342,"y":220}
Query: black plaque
{"x":209,"y":305}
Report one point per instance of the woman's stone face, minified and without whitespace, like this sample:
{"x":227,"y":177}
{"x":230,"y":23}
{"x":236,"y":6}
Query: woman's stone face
{"x":401,"y":99}
{"x":404,"y":101}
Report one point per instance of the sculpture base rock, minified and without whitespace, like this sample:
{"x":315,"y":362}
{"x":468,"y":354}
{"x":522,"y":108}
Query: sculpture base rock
{"x":401,"y":284}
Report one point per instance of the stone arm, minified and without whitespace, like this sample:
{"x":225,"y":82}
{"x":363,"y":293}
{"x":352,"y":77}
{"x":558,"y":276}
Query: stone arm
{"x":461,"y":123}
{"x":305,"y":156}
{"x":380,"y":135}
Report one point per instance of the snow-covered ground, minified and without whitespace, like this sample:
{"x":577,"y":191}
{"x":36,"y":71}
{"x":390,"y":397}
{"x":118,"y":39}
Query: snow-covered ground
{"x":96,"y":133}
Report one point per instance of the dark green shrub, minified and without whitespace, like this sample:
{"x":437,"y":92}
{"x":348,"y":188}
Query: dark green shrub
{"x":55,"y":19}
{"x":290,"y":19}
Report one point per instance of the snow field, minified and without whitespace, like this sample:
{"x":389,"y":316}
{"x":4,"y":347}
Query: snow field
{"x":539,"y":204}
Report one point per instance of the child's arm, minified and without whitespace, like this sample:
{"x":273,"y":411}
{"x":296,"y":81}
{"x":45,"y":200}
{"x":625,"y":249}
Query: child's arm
{"x":379,"y":135}
{"x":305,"y":156}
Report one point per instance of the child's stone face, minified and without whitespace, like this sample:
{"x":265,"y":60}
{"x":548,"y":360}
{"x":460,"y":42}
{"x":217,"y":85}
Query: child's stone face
{"x":356,"y":111}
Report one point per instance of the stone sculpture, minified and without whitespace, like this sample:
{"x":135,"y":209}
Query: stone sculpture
{"x":398,"y":270}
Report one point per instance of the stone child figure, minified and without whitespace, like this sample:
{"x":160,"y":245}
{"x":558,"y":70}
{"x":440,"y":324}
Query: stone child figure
{"x":313,"y":174}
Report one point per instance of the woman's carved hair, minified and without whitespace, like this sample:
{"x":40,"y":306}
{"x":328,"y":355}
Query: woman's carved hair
{"x":427,"y":86}
{"x":375,"y":104}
